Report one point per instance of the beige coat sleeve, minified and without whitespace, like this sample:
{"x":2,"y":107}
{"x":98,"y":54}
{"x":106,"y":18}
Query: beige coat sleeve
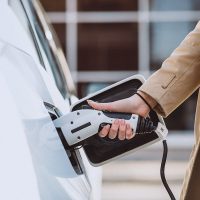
{"x":178,"y":77}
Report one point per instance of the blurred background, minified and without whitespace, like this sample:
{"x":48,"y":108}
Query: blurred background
{"x":108,"y":40}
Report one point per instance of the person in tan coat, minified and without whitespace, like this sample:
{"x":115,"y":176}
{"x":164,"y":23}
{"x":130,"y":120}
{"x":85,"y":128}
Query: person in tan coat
{"x":164,"y":91}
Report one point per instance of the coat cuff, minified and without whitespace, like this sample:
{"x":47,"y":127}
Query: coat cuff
{"x":157,"y":89}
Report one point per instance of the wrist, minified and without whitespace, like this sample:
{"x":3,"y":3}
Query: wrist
{"x":138,"y":106}
{"x":144,"y":100}
{"x":148,"y":99}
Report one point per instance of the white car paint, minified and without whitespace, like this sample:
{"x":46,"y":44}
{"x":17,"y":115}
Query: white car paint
{"x":46,"y":172}
{"x":18,"y":179}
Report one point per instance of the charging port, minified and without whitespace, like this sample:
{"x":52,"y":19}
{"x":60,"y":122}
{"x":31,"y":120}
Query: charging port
{"x":71,"y":153}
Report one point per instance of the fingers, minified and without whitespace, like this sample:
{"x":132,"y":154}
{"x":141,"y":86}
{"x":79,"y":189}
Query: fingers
{"x":125,"y":131}
{"x":129,"y":132}
{"x":122,"y":130}
{"x":122,"y":105}
{"x":100,"y":106}
{"x":114,"y":129}
{"x":104,"y":132}
{"x":119,"y":128}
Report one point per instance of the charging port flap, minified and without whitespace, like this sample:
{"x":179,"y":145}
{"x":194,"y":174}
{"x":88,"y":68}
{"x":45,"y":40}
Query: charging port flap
{"x":102,"y":150}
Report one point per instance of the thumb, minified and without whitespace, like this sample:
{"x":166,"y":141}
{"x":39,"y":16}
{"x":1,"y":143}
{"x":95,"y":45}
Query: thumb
{"x":101,"y":106}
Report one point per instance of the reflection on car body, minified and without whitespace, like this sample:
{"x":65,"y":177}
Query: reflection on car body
{"x":34,"y":70}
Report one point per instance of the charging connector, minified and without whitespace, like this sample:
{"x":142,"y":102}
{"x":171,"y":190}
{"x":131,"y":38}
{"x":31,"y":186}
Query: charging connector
{"x":75,"y":132}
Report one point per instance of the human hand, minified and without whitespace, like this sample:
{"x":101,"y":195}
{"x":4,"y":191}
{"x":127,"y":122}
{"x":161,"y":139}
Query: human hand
{"x":120,"y":127}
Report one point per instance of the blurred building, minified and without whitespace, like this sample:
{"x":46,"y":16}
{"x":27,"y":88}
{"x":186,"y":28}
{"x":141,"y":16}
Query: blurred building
{"x":108,"y":40}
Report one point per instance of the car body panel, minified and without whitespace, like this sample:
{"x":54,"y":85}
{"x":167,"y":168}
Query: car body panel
{"x":18,"y":179}
{"x":30,"y":86}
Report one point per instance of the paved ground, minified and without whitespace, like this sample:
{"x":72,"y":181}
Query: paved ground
{"x":140,"y":180}
{"x":137,"y":177}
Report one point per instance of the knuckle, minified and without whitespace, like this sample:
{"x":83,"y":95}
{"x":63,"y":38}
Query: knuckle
{"x":103,"y":132}
{"x":122,"y":131}
{"x":112,"y":133}
{"x":123,"y":127}
{"x":114,"y":129}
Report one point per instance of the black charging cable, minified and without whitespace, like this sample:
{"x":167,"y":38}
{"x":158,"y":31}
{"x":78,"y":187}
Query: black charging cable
{"x":145,"y":125}
{"x":165,"y":149}
{"x":162,"y":170}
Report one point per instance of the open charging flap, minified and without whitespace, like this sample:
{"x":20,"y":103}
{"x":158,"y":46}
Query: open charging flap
{"x":102,"y":150}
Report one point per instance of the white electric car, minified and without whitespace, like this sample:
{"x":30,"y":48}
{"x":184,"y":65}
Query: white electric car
{"x":34,"y":77}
